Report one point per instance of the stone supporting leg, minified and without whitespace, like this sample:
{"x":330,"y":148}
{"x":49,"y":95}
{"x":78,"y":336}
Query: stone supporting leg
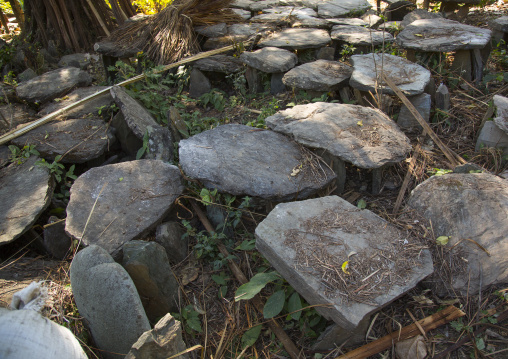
{"x":377,"y":179}
{"x":253,"y":80}
{"x":276,"y":84}
{"x":462,"y":65}
{"x":339,"y":167}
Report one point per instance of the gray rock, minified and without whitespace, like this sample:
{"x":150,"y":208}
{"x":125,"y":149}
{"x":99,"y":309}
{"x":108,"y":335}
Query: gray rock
{"x":409,"y":77}
{"x":248,"y":29}
{"x":419,"y":14}
{"x":334,"y":336}
{"x":333,"y":230}
{"x":282,"y":13}
{"x":326,"y":53}
{"x":124,"y":201}
{"x":442,"y":35}
{"x":342,"y":8}
{"x":147,"y":264}
{"x":270,"y":59}
{"x":139,"y":120}
{"x":107,"y":298}
{"x":163,"y":341}
{"x":242,"y":4}
{"x":219,"y":63}
{"x":397,"y":10}
{"x":216,"y":30}
{"x":245,"y":14}
{"x":363,"y":136}
{"x":14,"y":114}
{"x":169,"y":235}
{"x":443,"y":98}
{"x":241,"y":160}
{"x":276,"y":84}
{"x":93,"y":107}
{"x":312,"y":22}
{"x":359,"y":35}
{"x":297,"y":39}
{"x":113,"y":49}
{"x":372,"y":20}
{"x":219,"y":42}
{"x":468,"y":206}
{"x":491,"y":136}
{"x":52,"y":84}
{"x":499,"y":24}
{"x":501,"y":119}
{"x":263,"y":4}
{"x":422,"y":103}
{"x":129,"y":142}
{"x":26,"y":75}
{"x":77,"y":140}
{"x":56,"y":241}
{"x":348,"y":21}
{"x":81,"y":61}
{"x":199,"y":84}
{"x":25,"y":192}
{"x":320,"y":75}
{"x":5,"y":154}
{"x":467,"y":168}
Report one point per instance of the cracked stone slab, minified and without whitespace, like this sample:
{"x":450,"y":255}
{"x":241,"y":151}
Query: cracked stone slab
{"x":363,"y":136}
{"x":408,"y":76}
{"x":320,"y":75}
{"x":331,"y":229}
{"x":270,"y":59}
{"x":124,"y":202}
{"x":25,"y":192}
{"x":219,"y":63}
{"x":242,"y":160}
{"x":297,"y":39}
{"x":359,"y":35}
{"x":341,"y":8}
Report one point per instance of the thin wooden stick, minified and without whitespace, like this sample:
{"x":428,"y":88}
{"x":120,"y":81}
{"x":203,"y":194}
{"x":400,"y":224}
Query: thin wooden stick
{"x":98,"y":17}
{"x":454,"y":158}
{"x":431,"y":322}
{"x":407,"y":178}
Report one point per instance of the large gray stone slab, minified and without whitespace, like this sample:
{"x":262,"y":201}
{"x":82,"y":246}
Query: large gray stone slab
{"x":409,"y":77}
{"x":348,"y":21}
{"x":248,"y":29}
{"x":219,"y":63}
{"x":15,"y":114}
{"x":501,"y":119}
{"x":499,"y":24}
{"x":242,"y":160}
{"x":342,"y":8}
{"x":308,"y":241}
{"x":363,"y":136}
{"x":25,"y":192}
{"x":320,"y":75}
{"x":281,"y":13}
{"x":359,"y":35}
{"x":124,"y":201}
{"x":108,"y":300}
{"x":418,"y":14}
{"x":141,"y":122}
{"x":77,"y":140}
{"x":442,"y":35}
{"x":100,"y":104}
{"x":80,"y":60}
{"x":270,"y":59}
{"x":297,"y":39}
{"x":471,"y":206}
{"x":216,"y":30}
{"x":53,"y":84}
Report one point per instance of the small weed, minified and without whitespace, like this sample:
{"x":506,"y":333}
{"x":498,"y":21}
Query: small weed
{"x":216,"y":98}
{"x":347,"y":51}
{"x":270,"y":109}
{"x":63,"y":177}
{"x":189,"y":316}
{"x":20,"y":155}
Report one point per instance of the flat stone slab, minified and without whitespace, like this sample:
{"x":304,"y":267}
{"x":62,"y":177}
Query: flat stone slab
{"x":248,"y":29}
{"x":52,"y":84}
{"x":308,"y":242}
{"x":442,"y":35}
{"x":25,"y":192}
{"x":348,"y":21}
{"x":363,"y":136}
{"x":242,"y":160}
{"x":320,"y":75}
{"x":468,"y":206}
{"x":311,"y":22}
{"x":499,"y":24}
{"x":297,"y":39}
{"x":281,"y":13}
{"x":501,"y":119}
{"x":124,"y":201}
{"x":418,"y":14}
{"x":93,"y":107}
{"x":219,"y":63}
{"x":359,"y":35}
{"x":15,"y":114}
{"x":270,"y":59}
{"x":80,"y":140}
{"x":216,"y":30}
{"x":409,"y":77}
{"x":341,"y":8}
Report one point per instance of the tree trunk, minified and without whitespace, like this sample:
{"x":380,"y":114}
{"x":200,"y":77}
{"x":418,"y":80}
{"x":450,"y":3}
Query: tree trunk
{"x":18,"y":13}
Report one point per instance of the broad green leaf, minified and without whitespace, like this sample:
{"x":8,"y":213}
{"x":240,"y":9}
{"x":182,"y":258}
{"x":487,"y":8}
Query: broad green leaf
{"x":250,"y":336}
{"x":274,"y":304}
{"x":361,"y":204}
{"x":442,"y":240}
{"x":255,"y":285}
{"x":195,"y":324}
{"x":247,"y":245}
{"x":480,"y":344}
{"x":223,"y":291}
{"x":221,"y":280}
{"x":294,"y":305}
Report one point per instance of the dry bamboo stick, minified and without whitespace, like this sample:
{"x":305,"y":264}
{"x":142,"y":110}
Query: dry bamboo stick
{"x":3,"y":18}
{"x":58,"y":20}
{"x":98,"y":17}
{"x":70,"y":27}
{"x":407,"y":178}
{"x":9,"y":136}
{"x":431,"y":322}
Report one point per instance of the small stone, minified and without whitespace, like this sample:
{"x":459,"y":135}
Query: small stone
{"x":326,"y":53}
{"x":501,"y":119}
{"x":297,"y":39}
{"x":443,"y":98}
{"x":282,"y":13}
{"x":270,"y":59}
{"x":422,"y":103}
{"x":26,"y":75}
{"x":170,"y":236}
{"x":397,"y":10}
{"x":81,"y":61}
{"x":219,"y":63}
{"x":491,"y":136}
{"x":216,"y":30}
{"x":56,"y":241}
{"x":320,"y":75}
{"x":418,"y":14}
{"x":276,"y":84}
{"x":499,"y":24}
{"x":199,"y":84}
{"x":360,"y":36}
{"x":245,"y":14}
{"x":248,"y":29}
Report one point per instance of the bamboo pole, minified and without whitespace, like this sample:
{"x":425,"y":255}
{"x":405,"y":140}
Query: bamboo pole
{"x":98,"y":17}
{"x":69,"y":25}
{"x":3,"y":18}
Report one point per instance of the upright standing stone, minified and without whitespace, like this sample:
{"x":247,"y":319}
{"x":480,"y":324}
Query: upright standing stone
{"x":199,"y":84}
{"x":169,"y":235}
{"x":422,"y":103}
{"x":443,"y":98}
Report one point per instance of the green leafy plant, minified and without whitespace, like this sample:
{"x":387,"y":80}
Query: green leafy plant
{"x":268,"y":110}
{"x":20,"y":155}
{"x":439,"y":171}
{"x":63,"y":177}
{"x":222,"y":280}
{"x":190,"y":319}
{"x":215,"y":97}
{"x":347,"y":51}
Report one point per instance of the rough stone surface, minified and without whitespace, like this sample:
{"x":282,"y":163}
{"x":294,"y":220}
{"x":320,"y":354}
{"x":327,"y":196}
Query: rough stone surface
{"x":219,"y":63}
{"x":128,"y":199}
{"x":242,"y":4}
{"x":56,"y":241}
{"x":472,"y":206}
{"x":422,"y":103}
{"x":245,"y":14}
{"x":442,"y":35}
{"x":348,"y":21}
{"x":15,"y":114}
{"x":52,"y":84}
{"x":148,"y":266}
{"x":312,"y":22}
{"x":501,"y":119}
{"x":320,"y":75}
{"x":270,"y":59}
{"x":240,"y":160}
{"x":129,"y":142}
{"x":363,"y":136}
{"x":163,"y":341}
{"x":443,"y":98}
{"x":26,"y":75}
{"x":248,"y":29}
{"x":25,"y":192}
{"x":81,"y":61}
{"x":337,"y":231}
{"x":199,"y":84}
{"x":91,"y":107}
{"x":492,"y":136}
{"x":107,"y":298}
{"x":139,"y":120}
{"x":297,"y":39}
{"x":499,"y":24}
{"x":4,"y":156}
{"x":341,"y":8}
{"x":216,"y":30}
{"x":359,"y":35}
{"x":409,"y":77}
{"x":169,"y":235}
{"x":80,"y":140}
{"x":281,"y":13}
{"x":419,"y":14}
{"x":112,"y":49}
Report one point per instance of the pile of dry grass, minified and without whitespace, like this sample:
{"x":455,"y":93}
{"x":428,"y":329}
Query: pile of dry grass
{"x":169,"y":36}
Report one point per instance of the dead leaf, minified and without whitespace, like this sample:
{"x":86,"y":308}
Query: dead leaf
{"x":189,"y":274}
{"x":412,"y":348}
